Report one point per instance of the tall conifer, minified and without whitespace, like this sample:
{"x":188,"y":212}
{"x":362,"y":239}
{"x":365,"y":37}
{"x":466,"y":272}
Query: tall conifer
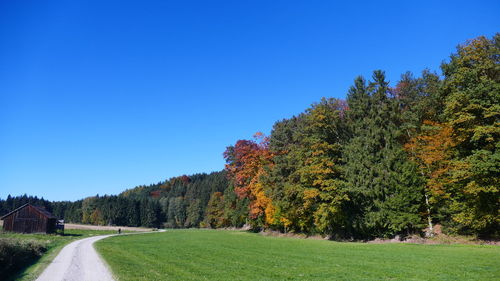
{"x":384,"y":190}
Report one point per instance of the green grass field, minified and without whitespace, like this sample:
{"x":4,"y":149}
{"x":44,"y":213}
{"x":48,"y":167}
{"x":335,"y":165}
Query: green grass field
{"x":235,"y":255}
{"x":53,"y":243}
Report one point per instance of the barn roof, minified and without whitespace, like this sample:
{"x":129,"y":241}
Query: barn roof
{"x":39,"y":209}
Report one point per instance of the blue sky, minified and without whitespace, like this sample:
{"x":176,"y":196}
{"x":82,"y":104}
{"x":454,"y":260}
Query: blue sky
{"x":100,"y":96}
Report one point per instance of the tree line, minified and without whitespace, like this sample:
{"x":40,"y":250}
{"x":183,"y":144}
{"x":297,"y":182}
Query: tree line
{"x":386,"y":161}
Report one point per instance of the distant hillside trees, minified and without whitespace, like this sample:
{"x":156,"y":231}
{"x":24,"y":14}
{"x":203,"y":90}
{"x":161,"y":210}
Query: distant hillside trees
{"x":12,"y":203}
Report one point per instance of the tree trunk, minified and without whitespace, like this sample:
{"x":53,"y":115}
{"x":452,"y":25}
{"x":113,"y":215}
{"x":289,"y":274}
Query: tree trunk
{"x":430,"y":232}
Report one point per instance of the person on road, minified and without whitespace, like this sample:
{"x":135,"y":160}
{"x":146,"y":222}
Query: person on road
{"x":119,"y":230}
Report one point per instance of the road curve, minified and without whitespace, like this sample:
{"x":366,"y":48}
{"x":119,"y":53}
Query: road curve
{"x":78,"y":261}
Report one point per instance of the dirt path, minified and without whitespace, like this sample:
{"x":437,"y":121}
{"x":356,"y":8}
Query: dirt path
{"x":79,"y":261}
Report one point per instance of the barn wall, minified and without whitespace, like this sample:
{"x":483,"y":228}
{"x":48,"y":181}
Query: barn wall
{"x":8,"y":224}
{"x":26,"y":220}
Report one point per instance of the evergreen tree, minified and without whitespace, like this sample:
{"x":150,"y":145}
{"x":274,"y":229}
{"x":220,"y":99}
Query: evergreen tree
{"x":384,"y":189}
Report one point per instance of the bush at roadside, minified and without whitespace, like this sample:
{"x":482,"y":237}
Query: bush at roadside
{"x":16,"y":253}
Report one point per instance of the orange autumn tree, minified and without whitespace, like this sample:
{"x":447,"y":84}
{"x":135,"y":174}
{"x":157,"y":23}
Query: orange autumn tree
{"x":431,"y":150}
{"x":246,"y":163}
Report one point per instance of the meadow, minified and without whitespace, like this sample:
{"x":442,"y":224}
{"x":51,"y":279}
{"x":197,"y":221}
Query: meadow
{"x":196,"y":254}
{"x":32,"y":253}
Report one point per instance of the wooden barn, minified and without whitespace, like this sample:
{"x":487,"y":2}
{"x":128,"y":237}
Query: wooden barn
{"x":30,"y":219}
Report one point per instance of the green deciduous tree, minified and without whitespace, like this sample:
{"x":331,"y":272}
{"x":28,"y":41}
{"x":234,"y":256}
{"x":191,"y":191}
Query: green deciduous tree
{"x":472,"y":108}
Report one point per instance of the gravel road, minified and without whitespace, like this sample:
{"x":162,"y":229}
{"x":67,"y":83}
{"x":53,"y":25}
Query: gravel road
{"x":78,"y":261}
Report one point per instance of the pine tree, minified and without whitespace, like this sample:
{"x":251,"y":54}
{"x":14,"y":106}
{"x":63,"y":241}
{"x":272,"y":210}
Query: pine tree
{"x":383,"y":187}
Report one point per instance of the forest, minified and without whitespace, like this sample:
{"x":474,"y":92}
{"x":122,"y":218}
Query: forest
{"x":385,"y":161}
{"x":179,"y":202}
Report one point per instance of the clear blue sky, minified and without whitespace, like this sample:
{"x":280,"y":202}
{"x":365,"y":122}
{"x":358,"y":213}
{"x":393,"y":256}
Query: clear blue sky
{"x":100,"y":96}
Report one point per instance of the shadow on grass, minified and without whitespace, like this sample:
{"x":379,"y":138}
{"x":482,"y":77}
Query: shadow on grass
{"x":20,"y":271}
{"x":71,"y":234}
